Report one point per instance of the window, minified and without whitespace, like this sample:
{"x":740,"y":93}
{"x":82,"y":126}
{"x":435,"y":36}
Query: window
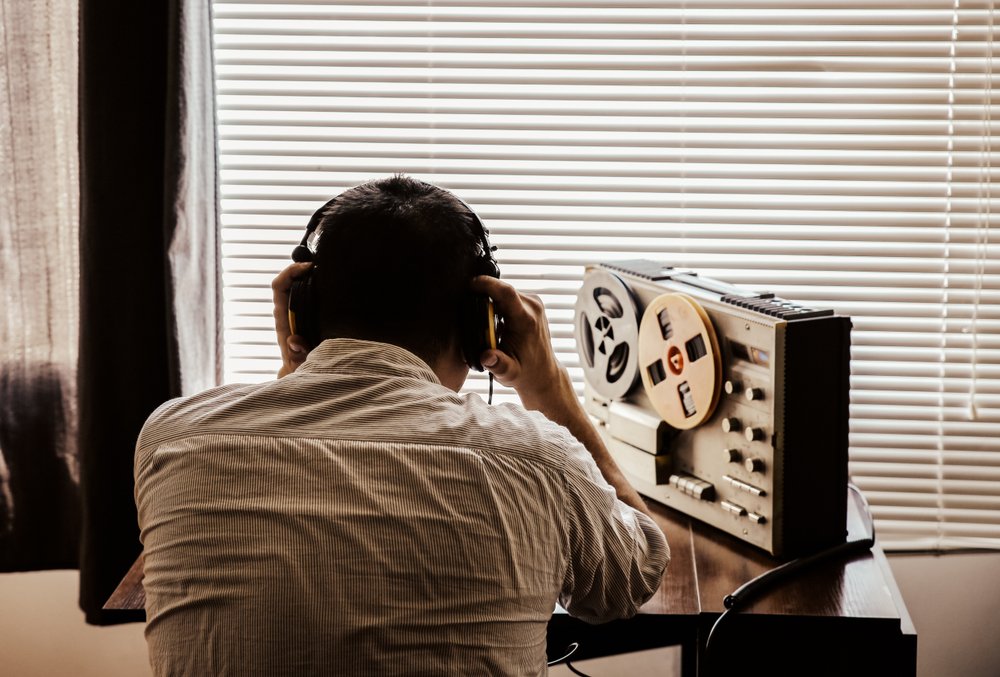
{"x":836,"y":153}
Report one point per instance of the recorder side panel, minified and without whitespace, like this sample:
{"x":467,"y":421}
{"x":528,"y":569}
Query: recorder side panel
{"x":816,"y":433}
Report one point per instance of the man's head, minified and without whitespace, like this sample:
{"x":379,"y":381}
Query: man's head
{"x":393,"y":262}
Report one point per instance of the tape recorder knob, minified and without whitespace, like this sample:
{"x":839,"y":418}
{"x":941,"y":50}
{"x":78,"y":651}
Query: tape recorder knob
{"x":731,"y":455}
{"x":732,"y":387}
{"x":754,"y":434}
{"x":755,"y":394}
{"x":731,"y":424}
{"x":754,"y":465}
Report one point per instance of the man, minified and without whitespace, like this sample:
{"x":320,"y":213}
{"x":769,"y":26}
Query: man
{"x":359,"y":516}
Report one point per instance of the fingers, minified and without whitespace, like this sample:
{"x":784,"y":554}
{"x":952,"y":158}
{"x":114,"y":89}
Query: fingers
{"x":297,"y":348}
{"x":297,"y":345}
{"x":507,"y":300}
{"x":294,"y":351}
{"x":280,"y":287}
{"x":504,"y":368}
{"x":283,"y":280}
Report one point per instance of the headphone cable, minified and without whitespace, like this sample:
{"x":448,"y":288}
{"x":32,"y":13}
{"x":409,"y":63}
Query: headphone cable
{"x":570,"y":650}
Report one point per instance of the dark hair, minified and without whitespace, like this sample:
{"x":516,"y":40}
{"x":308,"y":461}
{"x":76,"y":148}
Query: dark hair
{"x":393,"y":262}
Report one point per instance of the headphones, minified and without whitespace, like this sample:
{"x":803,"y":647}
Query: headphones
{"x":479,"y":322}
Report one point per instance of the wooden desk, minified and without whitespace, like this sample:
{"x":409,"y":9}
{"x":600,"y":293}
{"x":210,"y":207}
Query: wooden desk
{"x":839,"y":618}
{"x":129,"y":598}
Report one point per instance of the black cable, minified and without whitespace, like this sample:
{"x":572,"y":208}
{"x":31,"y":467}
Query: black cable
{"x":570,"y":650}
{"x":755,"y":586}
{"x":711,"y":633}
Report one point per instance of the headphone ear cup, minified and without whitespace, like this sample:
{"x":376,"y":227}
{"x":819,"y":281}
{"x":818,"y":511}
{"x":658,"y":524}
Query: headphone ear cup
{"x":478,"y":329}
{"x":302,"y":309}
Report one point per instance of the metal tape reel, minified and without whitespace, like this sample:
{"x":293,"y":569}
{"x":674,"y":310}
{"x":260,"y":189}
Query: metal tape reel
{"x":679,"y":360}
{"x":606,"y":329}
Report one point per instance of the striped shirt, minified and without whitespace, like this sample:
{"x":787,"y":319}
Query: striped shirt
{"x":357,"y":517}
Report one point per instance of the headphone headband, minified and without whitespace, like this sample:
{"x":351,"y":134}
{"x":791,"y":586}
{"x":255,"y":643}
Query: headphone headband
{"x":302,"y":253}
{"x":479,"y":324}
{"x":487,"y":264}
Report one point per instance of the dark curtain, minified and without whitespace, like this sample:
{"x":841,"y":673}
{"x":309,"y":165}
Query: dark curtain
{"x":149,"y":299}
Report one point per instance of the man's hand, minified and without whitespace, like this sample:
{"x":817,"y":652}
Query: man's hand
{"x":293,"y":347}
{"x":525,"y":360}
{"x":527,"y":363}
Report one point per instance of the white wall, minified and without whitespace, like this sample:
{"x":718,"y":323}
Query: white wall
{"x":954,"y":602}
{"x":42,"y":632}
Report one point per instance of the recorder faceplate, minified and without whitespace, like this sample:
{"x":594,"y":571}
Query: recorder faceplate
{"x":767,"y":461}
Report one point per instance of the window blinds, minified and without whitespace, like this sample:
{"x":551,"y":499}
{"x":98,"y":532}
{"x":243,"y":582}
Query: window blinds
{"x":836,"y":153}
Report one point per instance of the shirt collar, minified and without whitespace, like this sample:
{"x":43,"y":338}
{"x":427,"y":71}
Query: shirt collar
{"x":354,"y":356}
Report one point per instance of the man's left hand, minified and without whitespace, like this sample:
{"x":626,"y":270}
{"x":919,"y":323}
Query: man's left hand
{"x":293,"y":347}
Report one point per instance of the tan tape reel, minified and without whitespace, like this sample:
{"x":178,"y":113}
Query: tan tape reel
{"x":679,"y":360}
{"x":606,"y":329}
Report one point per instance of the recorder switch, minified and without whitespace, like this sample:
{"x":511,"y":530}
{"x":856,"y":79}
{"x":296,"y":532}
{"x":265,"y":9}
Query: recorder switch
{"x":730,"y":424}
{"x":693,"y":486}
{"x":755,"y":394}
{"x":756,"y":518}
{"x":754,"y":434}
{"x":703,"y":491}
{"x":734,"y":508}
{"x":754,"y":465}
{"x":744,"y":486}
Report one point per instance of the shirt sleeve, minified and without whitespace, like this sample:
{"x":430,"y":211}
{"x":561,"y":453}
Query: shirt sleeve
{"x":617,"y":554}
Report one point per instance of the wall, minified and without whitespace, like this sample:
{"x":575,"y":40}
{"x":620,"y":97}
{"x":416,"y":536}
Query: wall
{"x":42,"y":633}
{"x":953,"y":601}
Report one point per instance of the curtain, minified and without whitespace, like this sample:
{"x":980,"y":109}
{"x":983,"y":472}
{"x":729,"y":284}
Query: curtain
{"x":39,"y":472}
{"x":149,"y":278}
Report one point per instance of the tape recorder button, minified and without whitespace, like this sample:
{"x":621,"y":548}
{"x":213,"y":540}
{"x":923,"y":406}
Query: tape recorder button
{"x":754,"y":434}
{"x":731,"y":424}
{"x":704,"y":491}
{"x":732,"y":387}
{"x":731,"y":455}
{"x":754,"y":465}
{"x":729,"y":506}
{"x":755,"y":394}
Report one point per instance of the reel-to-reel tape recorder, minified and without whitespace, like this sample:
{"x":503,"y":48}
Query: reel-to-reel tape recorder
{"x":741,"y":416}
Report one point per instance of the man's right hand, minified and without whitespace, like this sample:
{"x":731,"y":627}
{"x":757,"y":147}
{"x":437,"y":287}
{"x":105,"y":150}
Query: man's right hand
{"x":525,"y":360}
{"x":527,"y":363}
{"x":293,"y":347}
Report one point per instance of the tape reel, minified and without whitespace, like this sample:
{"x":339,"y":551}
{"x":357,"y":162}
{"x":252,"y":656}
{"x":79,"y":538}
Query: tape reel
{"x":606,"y":329}
{"x":679,"y":360}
